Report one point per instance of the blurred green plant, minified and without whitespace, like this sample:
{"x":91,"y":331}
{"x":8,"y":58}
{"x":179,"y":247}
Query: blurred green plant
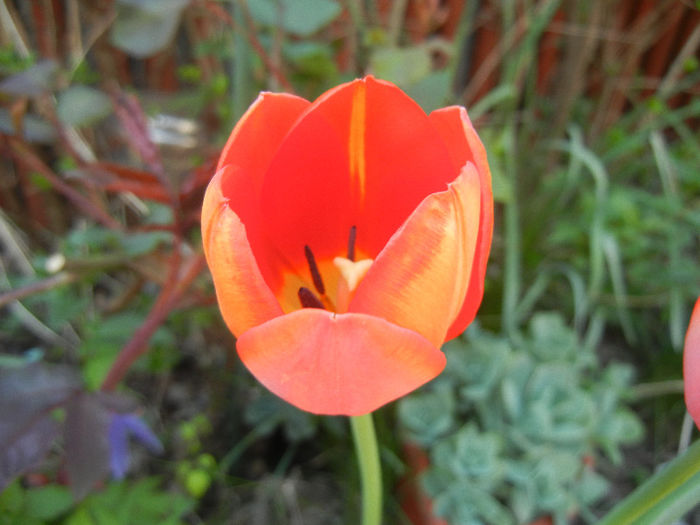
{"x":594,"y":159}
{"x":515,"y":428}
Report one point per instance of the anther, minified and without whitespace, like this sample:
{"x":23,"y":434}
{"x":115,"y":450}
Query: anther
{"x":308,"y":299}
{"x":351,"y":243}
{"x":313,"y":268}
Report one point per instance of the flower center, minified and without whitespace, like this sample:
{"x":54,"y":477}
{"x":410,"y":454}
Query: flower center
{"x":350,"y":272}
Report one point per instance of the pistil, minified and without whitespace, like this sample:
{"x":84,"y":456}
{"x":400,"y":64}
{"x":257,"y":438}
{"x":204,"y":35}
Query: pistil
{"x":351,"y":273}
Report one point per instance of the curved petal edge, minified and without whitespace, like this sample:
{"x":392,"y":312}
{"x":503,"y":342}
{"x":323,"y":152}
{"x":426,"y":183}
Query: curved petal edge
{"x":338,"y":364}
{"x":420,"y":278}
{"x":244,"y":298}
{"x":465,"y":146}
{"x":691,"y":365}
{"x":270,"y":116}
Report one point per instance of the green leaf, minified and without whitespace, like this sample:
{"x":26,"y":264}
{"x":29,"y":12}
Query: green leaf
{"x":553,"y":340}
{"x":299,"y":17}
{"x":312,"y":59}
{"x":428,"y":415}
{"x":478,"y":365}
{"x":432,"y":91}
{"x":136,"y":244}
{"x":80,"y":517}
{"x":591,"y":487}
{"x":48,"y":502}
{"x":664,"y":497}
{"x":464,"y":503}
{"x":12,"y":498}
{"x":142,"y":502}
{"x":82,"y":105}
{"x":477,"y":454}
{"x":402,"y":66}
{"x":620,"y":427}
{"x":145,"y":27}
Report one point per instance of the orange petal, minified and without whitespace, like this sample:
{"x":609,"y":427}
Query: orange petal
{"x":691,"y":365}
{"x":419,"y":280}
{"x":394,"y":156}
{"x":464,"y":146}
{"x":261,"y":130}
{"x":338,"y":364}
{"x":253,"y":143}
{"x":244,"y":298}
{"x":305,"y":199}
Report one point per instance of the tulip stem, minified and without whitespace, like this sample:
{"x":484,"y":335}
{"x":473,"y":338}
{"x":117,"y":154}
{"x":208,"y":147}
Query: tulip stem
{"x":370,"y":469}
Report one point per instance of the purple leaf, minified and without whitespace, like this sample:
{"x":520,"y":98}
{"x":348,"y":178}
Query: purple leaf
{"x":33,"y":81}
{"x":31,"y":390}
{"x":27,"y":451}
{"x":28,"y":395}
{"x":87,"y":445}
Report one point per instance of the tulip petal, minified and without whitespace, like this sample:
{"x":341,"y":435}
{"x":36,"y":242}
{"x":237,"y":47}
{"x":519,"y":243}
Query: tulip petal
{"x":306,"y":194}
{"x":464,"y":146}
{"x":249,"y":150}
{"x":244,"y":298}
{"x":338,"y":364}
{"x":261,"y":130}
{"x":691,"y":365}
{"x":420,"y":279}
{"x":370,"y":156}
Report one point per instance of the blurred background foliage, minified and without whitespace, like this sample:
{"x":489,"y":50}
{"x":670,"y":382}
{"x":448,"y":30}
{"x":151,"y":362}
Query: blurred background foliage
{"x":112,"y":113}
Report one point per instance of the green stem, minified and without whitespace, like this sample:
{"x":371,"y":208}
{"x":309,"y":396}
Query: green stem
{"x":370,"y":468}
{"x":665,"y":496}
{"x":513,"y":254}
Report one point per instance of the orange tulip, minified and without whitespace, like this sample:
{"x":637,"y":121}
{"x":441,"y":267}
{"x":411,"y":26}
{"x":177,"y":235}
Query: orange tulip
{"x":691,"y":365}
{"x":348,"y":240}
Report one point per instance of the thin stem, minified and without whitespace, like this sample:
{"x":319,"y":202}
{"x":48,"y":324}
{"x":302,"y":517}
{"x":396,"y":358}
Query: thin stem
{"x":241,"y":64}
{"x":512,"y":256}
{"x":370,"y":468}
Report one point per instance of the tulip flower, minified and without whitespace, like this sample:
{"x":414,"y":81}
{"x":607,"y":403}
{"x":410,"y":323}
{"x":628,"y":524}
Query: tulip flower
{"x":347,"y":239}
{"x":691,"y":365}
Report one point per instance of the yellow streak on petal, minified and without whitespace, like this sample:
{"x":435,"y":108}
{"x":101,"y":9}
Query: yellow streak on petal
{"x":356,"y":146}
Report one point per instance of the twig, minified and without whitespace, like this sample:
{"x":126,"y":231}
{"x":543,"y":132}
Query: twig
{"x":494,"y":58}
{"x":36,"y":287}
{"x":28,"y":158}
{"x":221,"y":13}
{"x":688,"y":50}
{"x":30,"y":321}
{"x":167,"y":300}
{"x":14,"y":246}
{"x":17,"y":33}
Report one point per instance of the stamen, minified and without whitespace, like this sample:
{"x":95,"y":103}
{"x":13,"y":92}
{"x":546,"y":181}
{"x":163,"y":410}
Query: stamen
{"x":313,"y":268}
{"x":351,"y":243}
{"x":308,"y":299}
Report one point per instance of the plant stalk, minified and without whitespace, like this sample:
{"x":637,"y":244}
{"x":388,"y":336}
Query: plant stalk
{"x":370,"y":469}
